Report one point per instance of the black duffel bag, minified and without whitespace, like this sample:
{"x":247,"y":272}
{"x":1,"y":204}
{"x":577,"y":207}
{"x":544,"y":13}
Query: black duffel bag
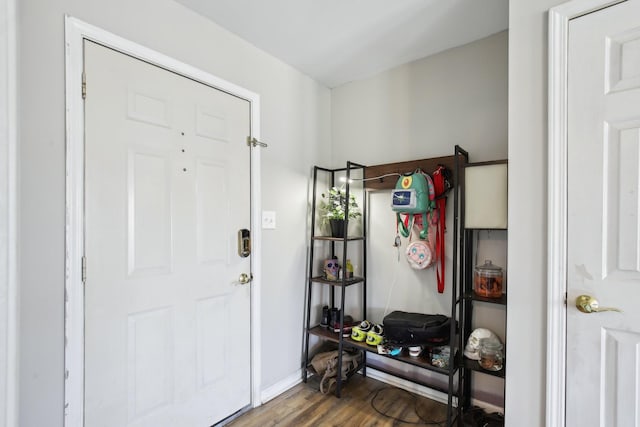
{"x":411,"y":329}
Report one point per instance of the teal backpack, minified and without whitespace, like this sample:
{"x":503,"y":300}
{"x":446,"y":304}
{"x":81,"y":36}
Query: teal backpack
{"x":414,"y":195}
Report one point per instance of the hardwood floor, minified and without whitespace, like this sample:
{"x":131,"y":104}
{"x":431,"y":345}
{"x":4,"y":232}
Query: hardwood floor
{"x":304,"y":405}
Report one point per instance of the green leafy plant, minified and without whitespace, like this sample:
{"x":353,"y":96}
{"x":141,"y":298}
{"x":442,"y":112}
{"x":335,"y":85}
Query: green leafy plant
{"x":334,"y":202}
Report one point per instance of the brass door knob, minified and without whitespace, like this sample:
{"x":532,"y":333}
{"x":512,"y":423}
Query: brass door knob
{"x":245,"y":278}
{"x":588,"y":304}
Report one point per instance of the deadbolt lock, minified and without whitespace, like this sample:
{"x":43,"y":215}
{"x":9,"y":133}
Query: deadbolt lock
{"x":244,"y":243}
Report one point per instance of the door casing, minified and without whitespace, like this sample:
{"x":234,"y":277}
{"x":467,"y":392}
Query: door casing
{"x":557,"y":242}
{"x":75,"y":32}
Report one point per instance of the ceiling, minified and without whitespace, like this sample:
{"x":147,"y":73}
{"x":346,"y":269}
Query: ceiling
{"x":337,"y":41}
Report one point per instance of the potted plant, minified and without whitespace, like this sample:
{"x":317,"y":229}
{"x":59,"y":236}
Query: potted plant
{"x":333,"y":206}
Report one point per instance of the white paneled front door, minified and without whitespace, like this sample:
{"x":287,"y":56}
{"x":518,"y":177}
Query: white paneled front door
{"x":167,"y":325}
{"x":603,"y":254}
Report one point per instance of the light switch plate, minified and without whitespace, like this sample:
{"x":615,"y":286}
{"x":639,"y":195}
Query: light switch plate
{"x":268,"y":220}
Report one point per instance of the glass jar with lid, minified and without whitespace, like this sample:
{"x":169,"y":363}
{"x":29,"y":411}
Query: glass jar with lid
{"x":487,"y":280}
{"x":491,"y":355}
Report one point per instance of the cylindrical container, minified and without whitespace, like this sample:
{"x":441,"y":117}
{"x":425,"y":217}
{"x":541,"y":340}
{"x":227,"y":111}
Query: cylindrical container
{"x":487,"y":280}
{"x":491,"y":356}
{"x":415,"y":351}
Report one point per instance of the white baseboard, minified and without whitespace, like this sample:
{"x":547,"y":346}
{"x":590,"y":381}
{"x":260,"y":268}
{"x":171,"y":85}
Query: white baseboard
{"x":296,"y":378}
{"x":427,"y":392}
{"x":280,"y":387}
{"x":418,"y":389}
{"x":488,"y":407}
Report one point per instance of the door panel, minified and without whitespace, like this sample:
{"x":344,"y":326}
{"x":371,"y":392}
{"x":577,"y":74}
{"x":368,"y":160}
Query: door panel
{"x":150,"y":349}
{"x":149,"y":212}
{"x":167,"y":188}
{"x":603,"y":256}
{"x":211,"y":182}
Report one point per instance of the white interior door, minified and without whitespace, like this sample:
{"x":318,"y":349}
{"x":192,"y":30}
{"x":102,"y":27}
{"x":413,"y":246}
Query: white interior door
{"x":603,"y":258}
{"x":167,"y":326}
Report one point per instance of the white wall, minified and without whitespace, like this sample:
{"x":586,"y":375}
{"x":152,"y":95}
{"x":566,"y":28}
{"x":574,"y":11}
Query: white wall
{"x":423,"y":108}
{"x":295,"y":122}
{"x":420,"y":110}
{"x":8,"y":212}
{"x":525,"y":392}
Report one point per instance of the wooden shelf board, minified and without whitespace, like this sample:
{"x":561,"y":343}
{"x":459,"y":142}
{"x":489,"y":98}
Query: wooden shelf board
{"x":502,"y":300}
{"x":473,"y":365}
{"x":339,"y":239}
{"x":348,"y":282}
{"x":420,"y":361}
{"x":389,"y":183}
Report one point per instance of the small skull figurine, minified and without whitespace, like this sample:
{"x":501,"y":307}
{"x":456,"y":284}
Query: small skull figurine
{"x":473,"y":344}
{"x":331,"y":269}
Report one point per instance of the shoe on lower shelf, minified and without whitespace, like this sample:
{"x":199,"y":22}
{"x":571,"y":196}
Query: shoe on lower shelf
{"x":359,"y":332}
{"x":375,"y":335}
{"x":349,"y":323}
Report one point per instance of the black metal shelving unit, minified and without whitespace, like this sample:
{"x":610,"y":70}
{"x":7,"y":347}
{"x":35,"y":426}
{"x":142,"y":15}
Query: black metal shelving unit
{"x":458,"y":304}
{"x":457,"y":371}
{"x":470,"y":299}
{"x":337,"y":286}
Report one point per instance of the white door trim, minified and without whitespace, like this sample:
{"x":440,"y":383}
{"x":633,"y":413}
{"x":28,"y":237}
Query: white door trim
{"x":559,"y":18}
{"x":75,"y":32}
{"x":8,"y":216}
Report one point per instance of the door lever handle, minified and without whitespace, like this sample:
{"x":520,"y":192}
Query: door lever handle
{"x":588,"y":304}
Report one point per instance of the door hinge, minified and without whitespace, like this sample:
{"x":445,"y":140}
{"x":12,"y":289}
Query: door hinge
{"x":84,"y":85}
{"x":84,"y":269}
{"x":253,"y":142}
{"x":565,"y":299}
